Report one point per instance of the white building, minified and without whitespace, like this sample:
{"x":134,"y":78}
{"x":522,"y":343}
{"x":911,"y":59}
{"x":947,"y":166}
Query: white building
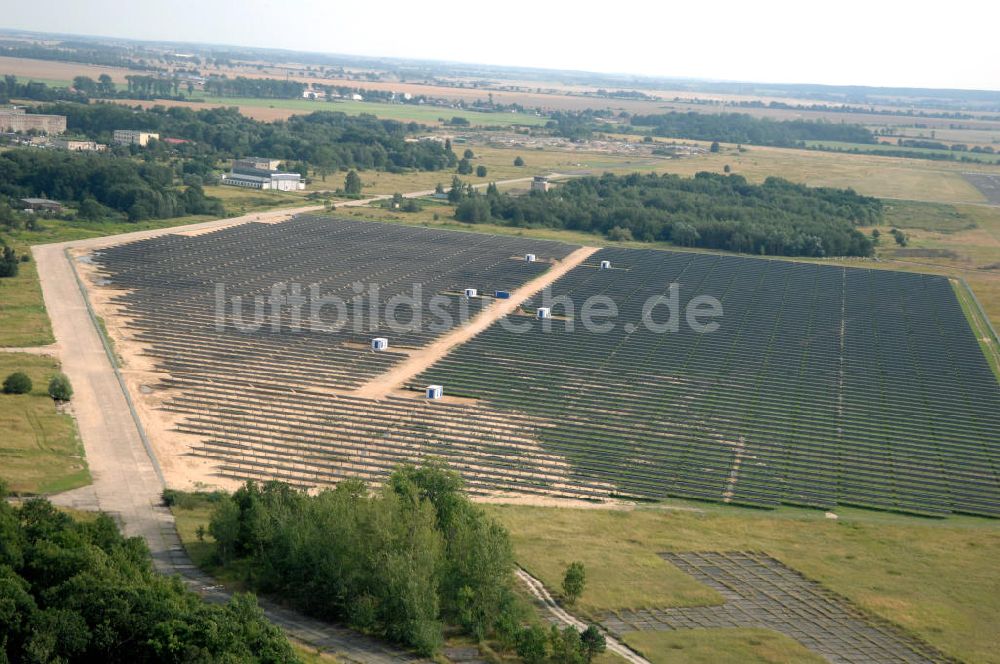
{"x":77,"y":145}
{"x":133,"y":137}
{"x":262,"y":173}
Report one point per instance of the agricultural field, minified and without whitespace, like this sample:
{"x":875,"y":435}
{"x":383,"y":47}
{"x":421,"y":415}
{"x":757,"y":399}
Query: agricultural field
{"x":40,"y":450}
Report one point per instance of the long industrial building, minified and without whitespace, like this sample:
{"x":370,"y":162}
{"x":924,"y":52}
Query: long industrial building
{"x":17,"y":120}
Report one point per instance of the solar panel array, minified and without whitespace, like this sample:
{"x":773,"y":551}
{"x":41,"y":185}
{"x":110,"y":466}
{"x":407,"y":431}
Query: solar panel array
{"x":823,"y":385}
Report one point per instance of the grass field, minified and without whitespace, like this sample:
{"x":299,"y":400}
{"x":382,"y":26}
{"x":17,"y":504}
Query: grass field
{"x":23,"y":320}
{"x":40,"y":450}
{"x":499,"y":163}
{"x":873,"y":175}
{"x":720,"y":646}
{"x":934,"y":578}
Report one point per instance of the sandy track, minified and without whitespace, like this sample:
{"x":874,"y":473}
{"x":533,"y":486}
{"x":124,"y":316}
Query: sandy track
{"x":421,"y":359}
{"x":561,"y":616}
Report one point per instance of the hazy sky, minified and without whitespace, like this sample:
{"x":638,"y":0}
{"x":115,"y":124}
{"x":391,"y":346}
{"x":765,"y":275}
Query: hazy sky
{"x":872,"y":42}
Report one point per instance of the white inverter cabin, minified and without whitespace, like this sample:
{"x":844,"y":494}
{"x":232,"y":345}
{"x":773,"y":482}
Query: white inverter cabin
{"x":529,"y":258}
{"x":435,"y":391}
{"x":380,"y":343}
{"x":605,"y":265}
{"x":471,"y":292}
{"x":543,"y":312}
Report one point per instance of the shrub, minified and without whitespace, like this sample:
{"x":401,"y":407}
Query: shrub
{"x":518,"y":161}
{"x":17,"y":383}
{"x":59,"y":388}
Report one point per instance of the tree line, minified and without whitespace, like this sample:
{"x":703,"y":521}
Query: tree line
{"x":102,"y":185}
{"x":324,"y":140}
{"x":708,"y":210}
{"x":744,"y":128}
{"x":12,"y":88}
{"x":79,"y":591}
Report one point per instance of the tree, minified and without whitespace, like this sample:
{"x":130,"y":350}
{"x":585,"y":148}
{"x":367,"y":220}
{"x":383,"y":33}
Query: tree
{"x":455,"y":193}
{"x":480,"y":171}
{"x":352,"y":183}
{"x":726,"y":169}
{"x":105,"y":86}
{"x":464,"y":166}
{"x":59,"y":388}
{"x":574,"y":581}
{"x":532,"y":645}
{"x":17,"y":383}
{"x":468,"y":154}
{"x":567,"y":646}
{"x":9,"y":262}
{"x":518,"y":161}
{"x":593,"y":642}
{"x":225,"y":528}
{"x":439,"y":188}
{"x":714,"y":147}
{"x":619,"y":234}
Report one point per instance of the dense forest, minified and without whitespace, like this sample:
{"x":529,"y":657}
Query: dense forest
{"x":101,"y":184}
{"x":743,"y":128}
{"x":79,"y":591}
{"x":325,"y":140}
{"x":396,"y":562}
{"x":709,"y":210}
{"x":403,"y":562}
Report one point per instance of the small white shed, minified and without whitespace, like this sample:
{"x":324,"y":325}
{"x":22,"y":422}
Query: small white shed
{"x":435,"y":391}
{"x":529,"y":258}
{"x":543,"y":312}
{"x":471,"y":292}
{"x":605,"y":265}
{"x":380,"y":343}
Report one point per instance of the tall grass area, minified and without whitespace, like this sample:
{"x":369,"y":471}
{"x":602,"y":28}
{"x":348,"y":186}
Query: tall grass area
{"x":934,"y":578}
{"x":40,"y":449}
